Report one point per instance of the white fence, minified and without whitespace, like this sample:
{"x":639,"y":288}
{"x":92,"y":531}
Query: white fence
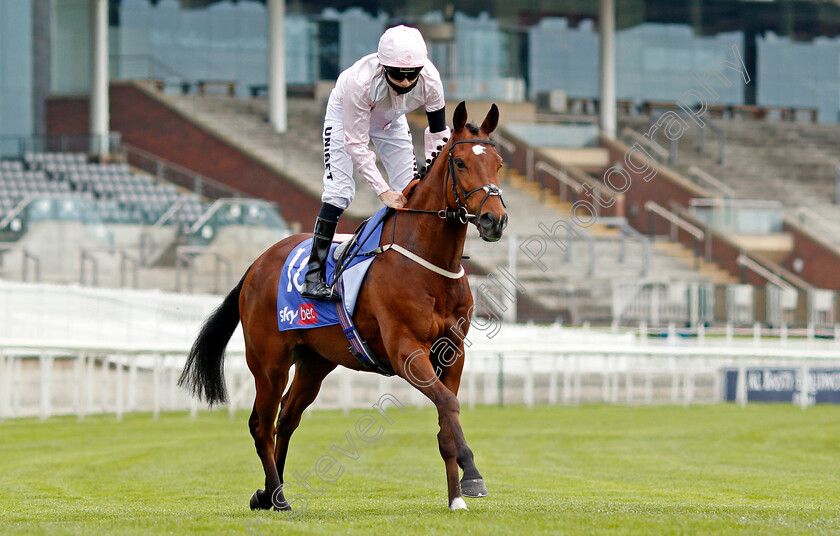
{"x":658,"y":302}
{"x":551,"y":365}
{"x":77,"y":350}
{"x":662,"y":301}
{"x":79,"y":316}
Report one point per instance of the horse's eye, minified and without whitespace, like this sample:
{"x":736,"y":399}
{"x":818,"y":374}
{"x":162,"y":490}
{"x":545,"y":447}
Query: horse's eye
{"x":460,"y":163}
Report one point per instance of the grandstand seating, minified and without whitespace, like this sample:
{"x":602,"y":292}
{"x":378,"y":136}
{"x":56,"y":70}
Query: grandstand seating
{"x":793,"y":163}
{"x":17,"y":181}
{"x":138,"y":225}
{"x":122,"y":195}
{"x":575,"y":285}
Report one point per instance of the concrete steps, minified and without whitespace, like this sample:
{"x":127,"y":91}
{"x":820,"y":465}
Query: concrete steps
{"x":685,"y":255}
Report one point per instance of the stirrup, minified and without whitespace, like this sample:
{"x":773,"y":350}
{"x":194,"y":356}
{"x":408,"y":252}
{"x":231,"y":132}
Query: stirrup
{"x":320,"y":291}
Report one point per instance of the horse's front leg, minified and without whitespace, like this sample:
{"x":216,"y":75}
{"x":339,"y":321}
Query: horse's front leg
{"x":414,"y":366}
{"x":450,"y":367}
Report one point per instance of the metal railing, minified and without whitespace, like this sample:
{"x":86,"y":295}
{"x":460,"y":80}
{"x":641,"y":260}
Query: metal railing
{"x":165,"y":170}
{"x":659,"y":301}
{"x":590,"y":244}
{"x":614,"y":369}
{"x":17,"y":210}
{"x":736,"y":203}
{"x":673,"y":143}
{"x":505,"y":143}
{"x":746,"y":262}
{"x":155,"y":70}
{"x":19,"y":146}
{"x":28,"y":257}
{"x":87,"y":256}
{"x":563,"y":180}
{"x":627,"y":230}
{"x":219,"y":204}
{"x":654,"y":147}
{"x":134,"y":156}
{"x":185,"y":261}
{"x":805,"y":217}
{"x":170,"y":212}
{"x":701,"y":140}
{"x":678,"y":223}
{"x":709,"y":180}
{"x":739,"y":216}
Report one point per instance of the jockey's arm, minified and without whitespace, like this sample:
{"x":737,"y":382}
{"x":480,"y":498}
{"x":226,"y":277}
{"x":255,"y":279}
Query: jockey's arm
{"x":436,"y":133}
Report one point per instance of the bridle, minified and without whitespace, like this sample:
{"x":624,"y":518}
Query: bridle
{"x":458,"y":189}
{"x":461,"y":214}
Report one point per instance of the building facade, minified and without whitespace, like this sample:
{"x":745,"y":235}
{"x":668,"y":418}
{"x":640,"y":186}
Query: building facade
{"x":511,"y":50}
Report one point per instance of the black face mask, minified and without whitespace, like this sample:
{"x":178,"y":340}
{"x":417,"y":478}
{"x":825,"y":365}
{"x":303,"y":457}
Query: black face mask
{"x":398,"y":89}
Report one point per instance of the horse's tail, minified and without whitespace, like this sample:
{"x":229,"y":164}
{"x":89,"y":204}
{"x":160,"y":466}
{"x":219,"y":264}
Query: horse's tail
{"x":204,"y":373}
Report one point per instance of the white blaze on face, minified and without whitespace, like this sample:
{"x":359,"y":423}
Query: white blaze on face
{"x":478,"y":149}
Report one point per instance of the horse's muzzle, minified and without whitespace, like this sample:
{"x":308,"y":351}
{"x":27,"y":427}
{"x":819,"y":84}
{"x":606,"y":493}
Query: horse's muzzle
{"x":491,"y":226}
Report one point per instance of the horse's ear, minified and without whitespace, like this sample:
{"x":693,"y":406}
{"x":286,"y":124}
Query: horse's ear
{"x":459,"y":118}
{"x":491,"y":121}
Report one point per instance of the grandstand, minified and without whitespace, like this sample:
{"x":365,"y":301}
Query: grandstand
{"x":151,"y":150}
{"x":579,"y":284}
{"x":609,"y":272}
{"x":770,"y":184}
{"x":60,"y":212}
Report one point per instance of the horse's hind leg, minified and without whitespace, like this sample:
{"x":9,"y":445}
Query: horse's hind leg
{"x":310,"y":371}
{"x":270,"y":379}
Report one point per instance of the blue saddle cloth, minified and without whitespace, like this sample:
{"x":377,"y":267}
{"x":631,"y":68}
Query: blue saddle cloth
{"x":295,"y":312}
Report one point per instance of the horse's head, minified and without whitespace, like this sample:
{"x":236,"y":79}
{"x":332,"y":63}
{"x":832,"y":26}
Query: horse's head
{"x":473,"y":166}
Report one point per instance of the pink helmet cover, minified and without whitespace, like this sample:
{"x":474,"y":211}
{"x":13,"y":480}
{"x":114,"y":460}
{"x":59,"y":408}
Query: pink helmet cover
{"x":402,"y":46}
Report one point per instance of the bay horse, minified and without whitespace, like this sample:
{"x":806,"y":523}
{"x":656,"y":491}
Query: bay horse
{"x":402,"y":310}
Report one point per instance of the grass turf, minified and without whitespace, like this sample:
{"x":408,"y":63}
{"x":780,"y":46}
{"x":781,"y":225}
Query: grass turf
{"x":766,"y":469}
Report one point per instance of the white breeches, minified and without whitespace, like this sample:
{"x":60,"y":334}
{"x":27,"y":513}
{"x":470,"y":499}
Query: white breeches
{"x":395,"y":150}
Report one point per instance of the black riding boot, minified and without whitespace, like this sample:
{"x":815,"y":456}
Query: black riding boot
{"x":314,"y":284}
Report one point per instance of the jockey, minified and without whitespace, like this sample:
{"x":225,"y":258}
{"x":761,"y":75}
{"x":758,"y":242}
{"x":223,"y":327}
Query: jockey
{"x":369,"y":102}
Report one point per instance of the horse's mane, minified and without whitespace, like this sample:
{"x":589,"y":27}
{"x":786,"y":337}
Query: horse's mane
{"x":424,"y":170}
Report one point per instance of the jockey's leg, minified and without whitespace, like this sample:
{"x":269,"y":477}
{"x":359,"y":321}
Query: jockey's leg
{"x":339,"y":190}
{"x":314,"y":283}
{"x":396,"y":150}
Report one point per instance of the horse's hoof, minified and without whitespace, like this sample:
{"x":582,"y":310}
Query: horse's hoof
{"x":474,"y":488}
{"x":278,"y":500}
{"x":260,"y":500}
{"x":458,"y":504}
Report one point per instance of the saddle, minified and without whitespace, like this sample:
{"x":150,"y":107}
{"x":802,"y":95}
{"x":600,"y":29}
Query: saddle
{"x":350,"y":249}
